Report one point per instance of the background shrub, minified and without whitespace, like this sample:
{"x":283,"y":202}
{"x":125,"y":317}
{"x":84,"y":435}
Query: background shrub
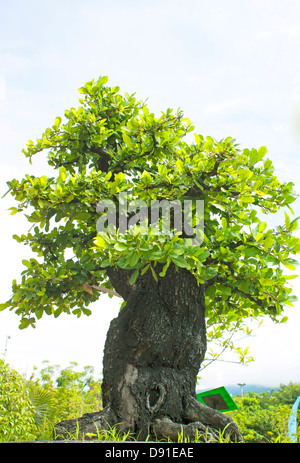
{"x":16,"y":410}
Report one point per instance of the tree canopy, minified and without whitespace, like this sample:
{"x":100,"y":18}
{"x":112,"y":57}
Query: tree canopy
{"x":113,"y":144}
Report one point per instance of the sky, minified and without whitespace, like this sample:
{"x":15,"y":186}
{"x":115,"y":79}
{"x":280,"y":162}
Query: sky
{"x":233,"y":68}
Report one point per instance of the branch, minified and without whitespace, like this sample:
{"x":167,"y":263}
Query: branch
{"x":119,"y":279}
{"x":88,"y":289}
{"x":105,"y":290}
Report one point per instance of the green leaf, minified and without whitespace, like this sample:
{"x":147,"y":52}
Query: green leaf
{"x":296,"y":249}
{"x":180,"y":261}
{"x":83,"y":90}
{"x":120,"y":247}
{"x":262,"y":226}
{"x":119,"y":178}
{"x":253,"y":157}
{"x":127,"y":140}
{"x":176,"y":252}
{"x":57,"y":312}
{"x":13,"y":210}
{"x":100,"y":242}
{"x":25,"y":322}
{"x":208,"y":273}
{"x":70,"y":198}
{"x":224,"y":223}
{"x":146,"y":177}
{"x":211,"y":291}
{"x":247,"y":199}
{"x":153,"y":273}
{"x":77,"y":312}
{"x":62,"y":173}
{"x":26,"y":263}
{"x":288,"y":265}
{"x":290,"y":277}
{"x":287,"y":220}
{"x":203,"y":255}
{"x":4,"y":306}
{"x":293,"y":226}
{"x":244,"y":286}
{"x":102,"y":80}
{"x":145,"y":269}
{"x":179,"y":165}
{"x":57,"y":122}
{"x":225,"y":290}
{"x":251,"y":252}
{"x":165,"y":268}
{"x":266,"y":282}
{"x":259,"y":237}
{"x":133,"y":259}
{"x":198,"y":139}
{"x":268,"y":242}
{"x":87,"y":312}
{"x":134,"y":276}
{"x":268,"y":164}
{"x":261,"y":153}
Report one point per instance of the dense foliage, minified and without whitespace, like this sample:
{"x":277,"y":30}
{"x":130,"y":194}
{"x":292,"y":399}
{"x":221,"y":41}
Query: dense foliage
{"x":29,"y":409}
{"x":16,"y":410}
{"x":114,"y":144}
{"x":62,"y":393}
{"x":264,"y":416}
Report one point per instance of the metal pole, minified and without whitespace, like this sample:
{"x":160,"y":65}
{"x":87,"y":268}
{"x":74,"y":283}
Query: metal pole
{"x":5,"y":350}
{"x":242,"y":388}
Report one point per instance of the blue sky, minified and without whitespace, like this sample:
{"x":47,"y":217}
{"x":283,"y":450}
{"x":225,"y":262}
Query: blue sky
{"x":233,"y":68}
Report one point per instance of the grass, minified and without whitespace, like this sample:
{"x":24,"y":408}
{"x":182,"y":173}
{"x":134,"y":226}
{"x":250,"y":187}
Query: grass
{"x":114,"y":435}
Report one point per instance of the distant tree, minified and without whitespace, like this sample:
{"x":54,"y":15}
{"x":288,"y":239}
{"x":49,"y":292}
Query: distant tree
{"x":264,"y":416}
{"x":287,"y":393}
{"x":62,"y":393}
{"x":177,"y":283}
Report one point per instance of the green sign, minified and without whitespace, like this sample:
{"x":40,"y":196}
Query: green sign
{"x":218,"y":398}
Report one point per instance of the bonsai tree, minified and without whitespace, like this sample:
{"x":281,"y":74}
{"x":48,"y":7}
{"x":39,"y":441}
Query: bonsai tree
{"x":173,"y":226}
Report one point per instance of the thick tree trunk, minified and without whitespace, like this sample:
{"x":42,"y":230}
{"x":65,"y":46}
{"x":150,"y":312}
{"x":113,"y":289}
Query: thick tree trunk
{"x":152,"y":355}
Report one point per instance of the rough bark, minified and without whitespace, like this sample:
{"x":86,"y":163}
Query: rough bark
{"x":152,"y":355}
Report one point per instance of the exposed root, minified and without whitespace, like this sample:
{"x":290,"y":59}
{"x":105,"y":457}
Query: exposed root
{"x":165,"y":428}
{"x":89,"y":423}
{"x":196,"y":411}
{"x":200,"y":423}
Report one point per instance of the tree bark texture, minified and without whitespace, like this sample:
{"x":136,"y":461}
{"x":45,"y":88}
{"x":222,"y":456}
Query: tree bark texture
{"x":152,"y":355}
